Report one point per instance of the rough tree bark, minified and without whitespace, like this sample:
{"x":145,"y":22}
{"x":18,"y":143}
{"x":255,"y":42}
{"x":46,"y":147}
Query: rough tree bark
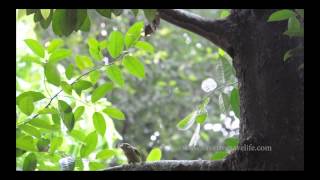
{"x":271,"y":91}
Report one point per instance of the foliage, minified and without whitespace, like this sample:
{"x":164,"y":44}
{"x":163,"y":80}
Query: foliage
{"x":295,"y":27}
{"x":154,"y":155}
{"x":76,"y":101}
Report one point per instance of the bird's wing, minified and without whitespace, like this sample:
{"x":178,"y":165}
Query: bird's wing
{"x":136,"y":151}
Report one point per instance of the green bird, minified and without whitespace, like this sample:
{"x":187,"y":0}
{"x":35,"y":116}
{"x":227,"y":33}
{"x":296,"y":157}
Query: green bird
{"x":132,"y":153}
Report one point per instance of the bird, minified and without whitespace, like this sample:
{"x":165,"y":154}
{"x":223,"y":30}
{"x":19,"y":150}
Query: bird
{"x":133,"y":155}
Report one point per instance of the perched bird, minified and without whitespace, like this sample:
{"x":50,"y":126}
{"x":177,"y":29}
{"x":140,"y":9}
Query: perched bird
{"x":132,"y":153}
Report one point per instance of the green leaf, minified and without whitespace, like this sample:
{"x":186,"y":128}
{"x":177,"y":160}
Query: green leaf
{"x":235,"y":102}
{"x":96,"y":166}
{"x":19,"y":133}
{"x":101,"y":91}
{"x":36,"y":96}
{"x":86,"y":25}
{"x":281,"y":15}
{"x":145,"y":46}
{"x":65,"y":21}
{"x":78,"y":135}
{"x":64,"y":107}
{"x":26,"y":105}
{"x":78,"y":112}
{"x":83,"y":62}
{"x":56,"y":142}
{"x":69,"y":71}
{"x":45,"y":13}
{"x":221,"y":52}
{"x":66,"y":114}
{"x":103,"y":44}
{"x":52,"y":74}
{"x":26,"y":143}
{"x":201,"y":116}
{"x":219,"y":155}
{"x":31,"y":130}
{"x":154,"y":155}
{"x":114,"y":112}
{"x":204,"y":103}
{"x":36,"y":47}
{"x":224,"y":13}
{"x":204,"y":136}
{"x":99,"y":123}
{"x":56,"y":119}
{"x":94,"y":49}
{"x":295,"y":33}
{"x":66,"y":87}
{"x":58,"y":21}
{"x":186,"y":122}
{"x":81,"y":85}
{"x":224,"y":102}
{"x":134,"y":66}
{"x":48,"y":110}
{"x":94,"y":76}
{"x":232,"y":142}
{"x":30,"y":162}
{"x":114,"y":73}
{"x":59,"y":54}
{"x":133,"y":34}
{"x":79,"y":164}
{"x":45,"y":22}
{"x":293,"y":25}
{"x":90,"y":144}
{"x":287,"y":55}
{"x":19,"y":152}
{"x":292,"y":52}
{"x":41,"y":123}
{"x":228,"y":70}
{"x":104,"y":12}
{"x":105,"y":154}
{"x":93,"y":43}
{"x":43,"y":145}
{"x":54,"y":44}
{"x":31,"y":58}
{"x":37,"y":16}
{"x":115,"y":44}
{"x":96,"y":53}
{"x":150,"y":14}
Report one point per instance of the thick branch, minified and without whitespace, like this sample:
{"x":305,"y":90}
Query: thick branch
{"x":172,"y":165}
{"x":216,"y":31}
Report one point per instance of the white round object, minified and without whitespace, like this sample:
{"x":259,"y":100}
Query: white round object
{"x":208,"y":85}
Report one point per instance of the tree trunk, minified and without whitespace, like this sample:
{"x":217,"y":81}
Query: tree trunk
{"x":271,"y":93}
{"x":271,"y":90}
